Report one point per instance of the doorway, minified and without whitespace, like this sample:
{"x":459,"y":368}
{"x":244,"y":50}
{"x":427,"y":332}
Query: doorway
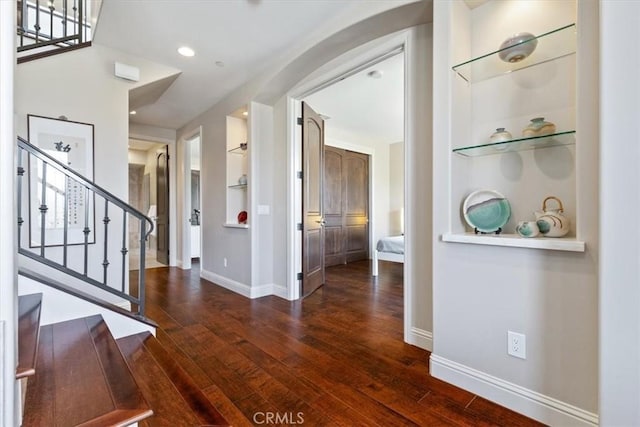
{"x":363,"y":113}
{"x":149,"y":193}
{"x":194,"y":197}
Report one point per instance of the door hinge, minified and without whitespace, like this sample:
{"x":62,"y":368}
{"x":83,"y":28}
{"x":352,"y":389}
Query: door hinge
{"x":299,"y":276}
{"x":300,"y":121}
{"x":299,"y":174}
{"x":299,"y":226}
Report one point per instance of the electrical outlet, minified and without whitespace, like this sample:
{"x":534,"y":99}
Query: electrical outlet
{"x":225,"y":262}
{"x":516,"y":345}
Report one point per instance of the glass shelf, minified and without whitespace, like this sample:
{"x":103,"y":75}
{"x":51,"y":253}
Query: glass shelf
{"x":237,"y":150}
{"x":552,"y":45}
{"x":238,"y":186}
{"x":520,"y":144}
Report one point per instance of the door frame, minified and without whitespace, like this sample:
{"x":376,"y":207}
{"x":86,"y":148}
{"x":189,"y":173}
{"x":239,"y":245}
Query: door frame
{"x":171,"y":144}
{"x":327,"y":75}
{"x":184,"y":197}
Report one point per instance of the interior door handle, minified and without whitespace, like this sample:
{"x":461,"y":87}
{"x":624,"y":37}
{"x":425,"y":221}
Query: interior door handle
{"x":321,"y":222}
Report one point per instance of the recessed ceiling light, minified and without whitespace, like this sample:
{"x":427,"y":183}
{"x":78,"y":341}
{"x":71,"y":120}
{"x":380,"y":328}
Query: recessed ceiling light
{"x":186,"y":51}
{"x":132,"y":112}
{"x":375,"y":74}
{"x":245,"y":113}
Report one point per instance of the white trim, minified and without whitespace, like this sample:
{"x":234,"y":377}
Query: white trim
{"x":525,"y":401}
{"x":421,"y":338}
{"x":280,"y":291}
{"x":9,"y":390}
{"x":240,"y":288}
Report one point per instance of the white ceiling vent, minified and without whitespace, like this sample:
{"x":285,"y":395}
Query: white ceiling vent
{"x":127,"y":72}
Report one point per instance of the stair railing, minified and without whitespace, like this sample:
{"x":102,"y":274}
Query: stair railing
{"x":62,"y":233}
{"x":44,"y":28}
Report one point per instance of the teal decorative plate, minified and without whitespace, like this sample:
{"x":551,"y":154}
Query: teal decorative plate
{"x":486,"y":211}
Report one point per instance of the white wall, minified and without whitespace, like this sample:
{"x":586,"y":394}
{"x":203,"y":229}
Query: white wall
{"x":361,"y":24}
{"x":396,"y":188}
{"x":620,"y":200}
{"x":81,"y":86}
{"x":481,"y":292}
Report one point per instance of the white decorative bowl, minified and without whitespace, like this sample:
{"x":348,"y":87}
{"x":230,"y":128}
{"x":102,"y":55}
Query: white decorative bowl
{"x":517,"y":47}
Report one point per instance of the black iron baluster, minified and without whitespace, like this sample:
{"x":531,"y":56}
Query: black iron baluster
{"x":22,"y":19}
{"x":106,"y":221}
{"x":43,"y":208}
{"x":66,"y":221}
{"x":51,"y":9}
{"x":20,"y":175}
{"x":37,"y":26}
{"x":124,"y":249}
{"x":75,"y":17}
{"x":65,"y":10}
{"x":86,"y":230}
{"x":81,"y":21}
{"x":143,"y":238}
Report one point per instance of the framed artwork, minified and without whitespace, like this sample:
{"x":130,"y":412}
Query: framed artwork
{"x":66,"y":199}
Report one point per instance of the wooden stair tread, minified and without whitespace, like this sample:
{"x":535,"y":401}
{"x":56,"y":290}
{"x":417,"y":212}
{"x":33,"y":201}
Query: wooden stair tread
{"x":29,"y":307}
{"x":82,"y":379}
{"x":170,"y":390}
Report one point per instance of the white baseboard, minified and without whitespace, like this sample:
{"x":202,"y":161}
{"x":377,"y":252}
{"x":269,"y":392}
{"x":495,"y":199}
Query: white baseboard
{"x":420,"y":338}
{"x":243,"y":289}
{"x":528,"y":402}
{"x":232,"y":285}
{"x":280,"y":291}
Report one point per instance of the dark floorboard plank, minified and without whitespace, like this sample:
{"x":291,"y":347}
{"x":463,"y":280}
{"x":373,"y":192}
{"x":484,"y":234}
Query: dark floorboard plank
{"x":495,"y":413}
{"x":184,"y":384}
{"x":338,"y":356}
{"x":198,"y":375}
{"x":168,"y":406}
{"x":227,"y":408}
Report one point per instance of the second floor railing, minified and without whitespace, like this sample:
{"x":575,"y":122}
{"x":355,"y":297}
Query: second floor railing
{"x":69,"y":223}
{"x":44,"y":26}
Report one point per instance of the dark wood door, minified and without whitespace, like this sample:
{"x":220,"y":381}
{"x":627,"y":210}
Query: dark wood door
{"x":162,"y":202}
{"x":312,"y":202}
{"x":346,"y":199}
{"x":333,"y":195}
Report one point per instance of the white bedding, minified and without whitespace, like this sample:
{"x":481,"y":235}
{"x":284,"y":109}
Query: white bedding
{"x":388,"y":249}
{"x":393,"y":244}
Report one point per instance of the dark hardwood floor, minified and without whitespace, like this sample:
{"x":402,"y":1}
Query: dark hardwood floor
{"x":335,"y":359}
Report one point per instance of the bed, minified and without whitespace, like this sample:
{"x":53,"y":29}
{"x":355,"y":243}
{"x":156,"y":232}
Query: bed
{"x":388,"y":249}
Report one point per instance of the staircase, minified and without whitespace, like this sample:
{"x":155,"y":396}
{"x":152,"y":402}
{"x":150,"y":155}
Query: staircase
{"x":87,"y":352}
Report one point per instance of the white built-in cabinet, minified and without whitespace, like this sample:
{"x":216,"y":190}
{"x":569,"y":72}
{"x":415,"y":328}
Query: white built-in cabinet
{"x":487,"y":93}
{"x":237,"y":162}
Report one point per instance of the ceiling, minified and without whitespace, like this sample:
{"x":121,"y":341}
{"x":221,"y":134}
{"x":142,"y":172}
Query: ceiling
{"x":234,"y":41}
{"x":362,"y":109}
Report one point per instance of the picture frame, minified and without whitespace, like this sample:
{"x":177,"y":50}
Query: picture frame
{"x":71,"y":143}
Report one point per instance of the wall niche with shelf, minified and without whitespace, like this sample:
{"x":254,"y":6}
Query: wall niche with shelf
{"x":237,"y":162}
{"x":488,"y":93}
